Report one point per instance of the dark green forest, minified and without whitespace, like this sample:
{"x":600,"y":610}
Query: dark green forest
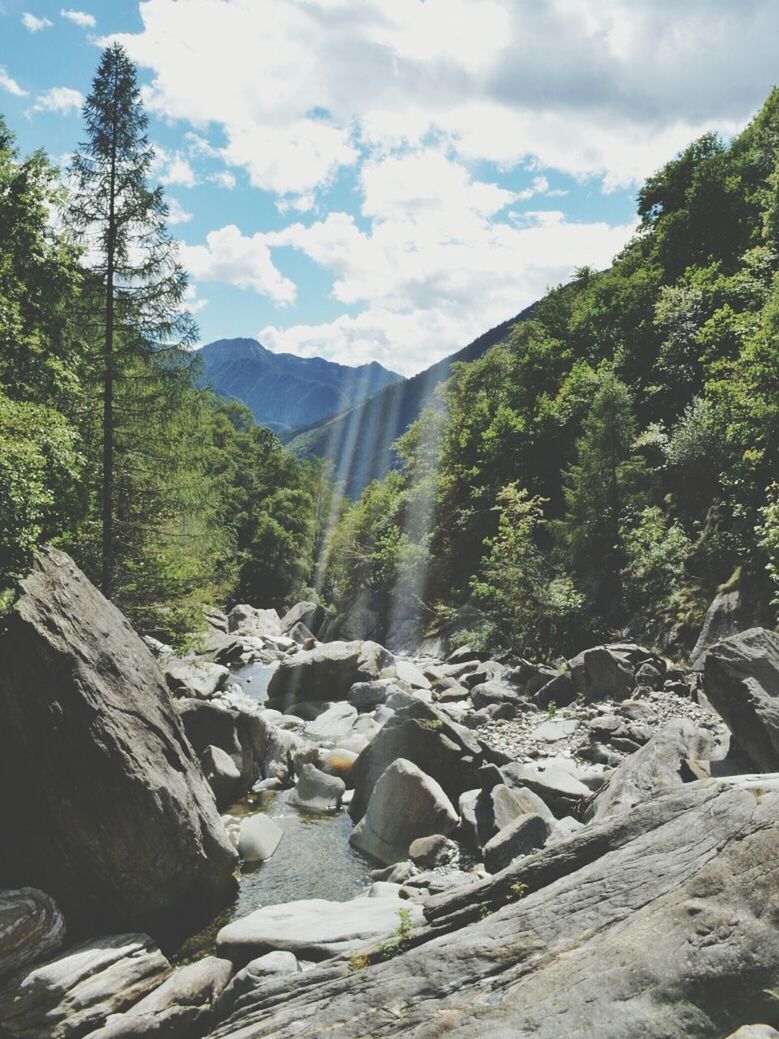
{"x":605,"y":469}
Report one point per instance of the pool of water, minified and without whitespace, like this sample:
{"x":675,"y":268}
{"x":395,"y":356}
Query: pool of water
{"x":254,"y":679}
{"x":313,"y":860}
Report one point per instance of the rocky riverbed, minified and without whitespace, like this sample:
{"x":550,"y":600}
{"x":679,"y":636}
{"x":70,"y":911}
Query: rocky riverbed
{"x":275,"y":836}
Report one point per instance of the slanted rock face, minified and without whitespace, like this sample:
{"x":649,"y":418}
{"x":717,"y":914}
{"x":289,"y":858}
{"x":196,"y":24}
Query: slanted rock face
{"x":114,"y":819}
{"x":31,"y":927}
{"x":405,"y":804}
{"x":607,"y":672}
{"x":741,"y":680}
{"x":327,"y":672}
{"x":724,"y":618}
{"x":309,"y":614}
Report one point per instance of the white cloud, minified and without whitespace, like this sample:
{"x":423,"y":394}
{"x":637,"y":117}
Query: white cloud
{"x":177,"y":214}
{"x":64,"y":100}
{"x":172,"y":168}
{"x":223,"y":179}
{"x":191,"y":300}
{"x":242,"y":261}
{"x":9,"y":83}
{"x":86,"y":21}
{"x":34,"y":24}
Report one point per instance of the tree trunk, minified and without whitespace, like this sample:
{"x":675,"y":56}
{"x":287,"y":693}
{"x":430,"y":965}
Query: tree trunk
{"x":107,"y":579}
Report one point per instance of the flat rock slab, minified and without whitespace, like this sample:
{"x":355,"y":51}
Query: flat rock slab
{"x":658,"y":923}
{"x":313,"y":929}
{"x":555,"y":729}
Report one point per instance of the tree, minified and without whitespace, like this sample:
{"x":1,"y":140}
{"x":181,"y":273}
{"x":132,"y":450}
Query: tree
{"x":122,"y":222}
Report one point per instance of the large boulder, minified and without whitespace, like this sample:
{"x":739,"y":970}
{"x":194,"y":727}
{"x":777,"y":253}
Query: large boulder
{"x":31,"y":927}
{"x":200,"y":679}
{"x":607,"y":672}
{"x":405,"y":804}
{"x":74,"y":994}
{"x":310,"y":614}
{"x":114,"y":818}
{"x":424,"y":735}
{"x":247,"y":620}
{"x":241,"y":733}
{"x":258,"y":837}
{"x":313,"y":929}
{"x":657,"y":923}
{"x":522,"y":835}
{"x":658,"y":766}
{"x":326,"y":672}
{"x":316,"y":790}
{"x":741,"y":681}
{"x":724,"y":617}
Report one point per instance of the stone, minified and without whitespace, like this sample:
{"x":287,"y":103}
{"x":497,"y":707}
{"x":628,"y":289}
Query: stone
{"x":754,"y":1032}
{"x":327,"y":672}
{"x":31,"y":927}
{"x":271,"y":965}
{"x":724,"y":617}
{"x":528,"y":677}
{"x":367,"y":695}
{"x":117,"y":822}
{"x":340,"y":761}
{"x":201,"y":680}
{"x":559,"y":691}
{"x":522,"y":835}
{"x":310,"y":614}
{"x":485,"y":694}
{"x":657,"y":766}
{"x":553,"y":780}
{"x":178,"y":1009}
{"x":430,"y":852}
{"x":258,"y":837}
{"x":317,"y":791}
{"x":223,"y":775}
{"x":241,"y":732}
{"x":741,"y":681}
{"x":463,"y":654}
{"x":246,"y":620}
{"x":424,"y":735}
{"x":405,"y":804}
{"x":408,"y":673}
{"x":300,"y":634}
{"x":313,"y":929}
{"x":603,"y":673}
{"x":336,"y":723}
{"x":75,"y":993}
{"x":658,"y":923}
{"x":555,"y":729}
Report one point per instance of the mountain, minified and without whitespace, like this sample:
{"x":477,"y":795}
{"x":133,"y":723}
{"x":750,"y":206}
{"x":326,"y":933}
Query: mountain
{"x":359,"y":442}
{"x":284,"y":391}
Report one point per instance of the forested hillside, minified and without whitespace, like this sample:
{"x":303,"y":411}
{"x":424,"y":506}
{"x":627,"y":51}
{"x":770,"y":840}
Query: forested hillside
{"x":205,"y":505}
{"x":616,"y":461}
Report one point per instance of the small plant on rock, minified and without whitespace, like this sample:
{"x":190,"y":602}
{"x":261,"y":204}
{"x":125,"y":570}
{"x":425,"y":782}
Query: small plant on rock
{"x":359,"y":962}
{"x":400,"y":939}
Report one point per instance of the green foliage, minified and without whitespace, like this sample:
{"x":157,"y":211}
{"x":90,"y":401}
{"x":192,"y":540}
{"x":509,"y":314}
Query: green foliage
{"x":400,"y":939}
{"x":656,"y":555}
{"x":768,"y":538}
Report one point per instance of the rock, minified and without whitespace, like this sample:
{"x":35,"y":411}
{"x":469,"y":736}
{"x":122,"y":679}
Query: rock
{"x":524,"y":834}
{"x":310,"y":614}
{"x":424,"y":735}
{"x":271,"y":965}
{"x":555,"y":729}
{"x":31,"y":927}
{"x":463,"y":654}
{"x":488,"y":671}
{"x":405,"y":804}
{"x":215,"y":618}
{"x":201,"y":680}
{"x":178,"y":1009}
{"x":488,"y":693}
{"x":335,"y":723}
{"x":246,"y":620}
{"x":240,"y":732}
{"x":602,"y":673}
{"x":754,"y":1032}
{"x":258,"y":837}
{"x":410,"y":674}
{"x":432,"y":851}
{"x":553,"y":780}
{"x":658,"y":923}
{"x":528,"y":677}
{"x":724,"y":617}
{"x":559,"y":691}
{"x":117,"y":822}
{"x":313,"y":929}
{"x":327,"y":672}
{"x":317,"y":791}
{"x":741,"y":681}
{"x":75,"y":993}
{"x":300,"y":634}
{"x":657,"y":766}
{"x":223,"y":775}
{"x":339,"y":762}
{"x":495,"y":806}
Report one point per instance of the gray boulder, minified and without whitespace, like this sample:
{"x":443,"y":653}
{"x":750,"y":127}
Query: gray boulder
{"x":754,"y":1032}
{"x":430,"y":852}
{"x":247,"y":620}
{"x":336,"y":723}
{"x":271,"y":965}
{"x":31,"y":927}
{"x":310,"y":614}
{"x":522,"y":835}
{"x":327,"y":672}
{"x":258,"y":837}
{"x":741,"y":681}
{"x":241,"y":733}
{"x":607,"y":672}
{"x":405,"y":804}
{"x":76,"y":993}
{"x":223,"y":775}
{"x":316,"y":790}
{"x":724,"y":617}
{"x":200,"y":680}
{"x":117,"y":822}
{"x":367,"y":695}
{"x":554,"y":780}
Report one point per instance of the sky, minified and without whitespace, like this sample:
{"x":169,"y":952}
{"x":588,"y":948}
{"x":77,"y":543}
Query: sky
{"x":387,"y":179}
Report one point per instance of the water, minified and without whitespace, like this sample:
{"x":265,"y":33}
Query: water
{"x":254,"y":679}
{"x":313,"y":860}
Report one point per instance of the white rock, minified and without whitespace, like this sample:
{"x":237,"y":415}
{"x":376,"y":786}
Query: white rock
{"x":258,"y":837}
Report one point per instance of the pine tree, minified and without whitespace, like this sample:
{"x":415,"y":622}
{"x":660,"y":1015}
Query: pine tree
{"x":122,"y":223}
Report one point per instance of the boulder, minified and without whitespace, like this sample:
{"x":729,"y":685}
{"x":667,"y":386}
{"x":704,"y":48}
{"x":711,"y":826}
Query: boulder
{"x":659,"y":765}
{"x":554,"y":780}
{"x":258,"y":837}
{"x":310,"y":614}
{"x":496,"y":807}
{"x":411,"y":675}
{"x":31,"y":927}
{"x":67,"y":997}
{"x":754,"y":1032}
{"x":367,"y":695}
{"x":327,"y":672}
{"x":607,"y":672}
{"x":117,"y":822}
{"x":300,"y":635}
{"x":200,"y":680}
{"x":313,"y":929}
{"x":241,"y":732}
{"x":246,"y":620}
{"x":405,"y":804}
{"x":559,"y":691}
{"x":336,"y":723}
{"x":485,"y":694}
{"x":223,"y":775}
{"x":741,"y":681}
{"x":657,"y":923}
{"x":724,"y":617}
{"x":430,"y":852}
{"x":424,"y":735}
{"x":179,"y":1008}
{"x":522,"y":835}
{"x":317,"y":791}
{"x":271,"y":965}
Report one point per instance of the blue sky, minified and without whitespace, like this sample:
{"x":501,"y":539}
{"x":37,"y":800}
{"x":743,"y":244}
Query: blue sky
{"x":386,"y":179}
